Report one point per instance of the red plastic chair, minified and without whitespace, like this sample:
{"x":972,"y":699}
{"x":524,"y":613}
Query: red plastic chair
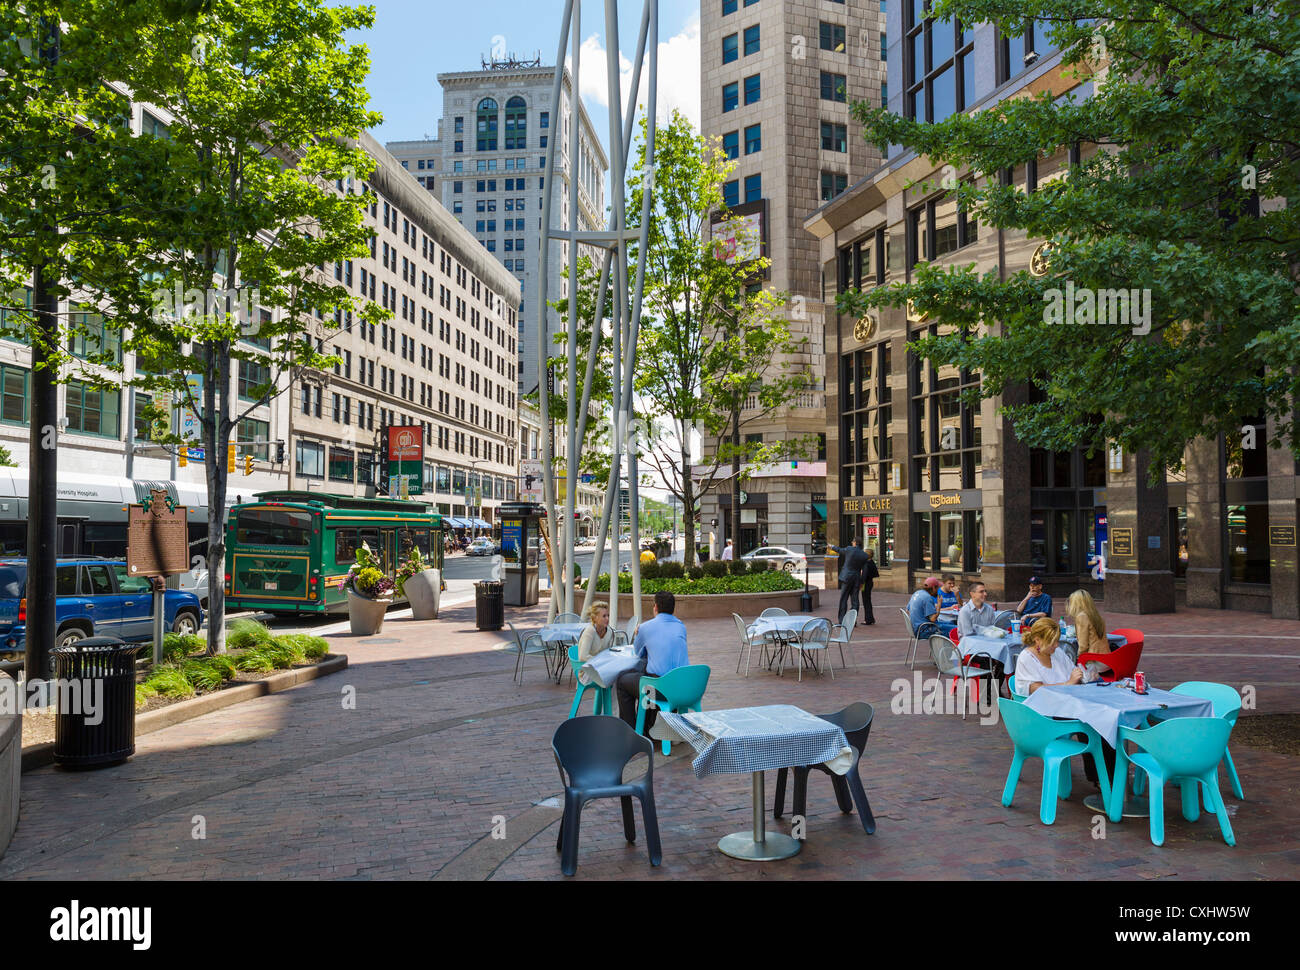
{"x":1122,"y":662}
{"x":952,"y":635}
{"x":1130,"y":636}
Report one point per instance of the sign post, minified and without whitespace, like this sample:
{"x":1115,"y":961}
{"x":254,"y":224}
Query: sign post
{"x":157,"y":546}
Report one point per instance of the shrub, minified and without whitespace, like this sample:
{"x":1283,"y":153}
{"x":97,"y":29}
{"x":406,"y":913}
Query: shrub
{"x":142,"y":694}
{"x":766,"y":582}
{"x":254,"y":661}
{"x":224,"y":665}
{"x":759,"y":565}
{"x":672,"y":570}
{"x":696,"y":572}
{"x":307,"y":646}
{"x":739,"y":567}
{"x":177,"y":646}
{"x":170,"y":682}
{"x":201,"y":675}
{"x":715,"y":568}
{"x":651,"y":570}
{"x":246,"y":634}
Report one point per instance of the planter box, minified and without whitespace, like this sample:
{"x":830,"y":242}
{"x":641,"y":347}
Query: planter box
{"x":748,"y":605}
{"x":366,"y":615}
{"x":423,"y":591}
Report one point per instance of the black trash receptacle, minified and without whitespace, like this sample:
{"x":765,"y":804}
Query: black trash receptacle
{"x":95,"y":725}
{"x":489,"y":605}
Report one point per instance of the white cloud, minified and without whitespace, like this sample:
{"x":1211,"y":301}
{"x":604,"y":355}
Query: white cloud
{"x":679,"y":73}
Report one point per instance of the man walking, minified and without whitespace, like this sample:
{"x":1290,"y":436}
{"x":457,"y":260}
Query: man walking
{"x":729,"y":553}
{"x":870,"y":573}
{"x":854,"y":559}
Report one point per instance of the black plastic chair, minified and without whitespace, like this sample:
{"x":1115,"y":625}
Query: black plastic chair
{"x":855,"y":722}
{"x":591,"y":753}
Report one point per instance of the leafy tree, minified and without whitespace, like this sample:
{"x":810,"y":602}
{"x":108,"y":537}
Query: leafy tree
{"x":711,"y":339}
{"x":1185,"y":192}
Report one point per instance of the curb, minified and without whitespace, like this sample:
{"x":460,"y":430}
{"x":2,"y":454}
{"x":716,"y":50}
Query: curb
{"x":40,"y":755}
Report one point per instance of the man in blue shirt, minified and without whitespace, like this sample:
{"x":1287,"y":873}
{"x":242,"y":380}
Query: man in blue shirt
{"x":661,"y":644}
{"x":1036,"y":603}
{"x":923,"y":608}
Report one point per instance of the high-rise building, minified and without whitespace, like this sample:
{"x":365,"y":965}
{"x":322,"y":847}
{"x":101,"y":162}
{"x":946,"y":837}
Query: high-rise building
{"x":777,"y":80}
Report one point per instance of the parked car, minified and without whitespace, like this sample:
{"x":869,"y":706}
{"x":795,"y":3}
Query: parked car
{"x":196,"y":581}
{"x":779,"y":556}
{"x":94,"y":598}
{"x":482,"y":546}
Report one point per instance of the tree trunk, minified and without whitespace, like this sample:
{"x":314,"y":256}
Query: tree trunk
{"x":216,"y":434}
{"x":688,"y":503}
{"x":733,"y":526}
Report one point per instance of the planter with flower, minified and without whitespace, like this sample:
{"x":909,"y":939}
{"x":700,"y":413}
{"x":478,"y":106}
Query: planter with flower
{"x":421,"y":583}
{"x":370,"y":593}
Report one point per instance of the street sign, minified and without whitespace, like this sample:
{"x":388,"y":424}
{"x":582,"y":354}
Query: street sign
{"x":157,"y":538}
{"x":530,"y":475}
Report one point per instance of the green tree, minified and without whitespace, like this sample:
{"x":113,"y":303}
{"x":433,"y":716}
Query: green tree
{"x":711,"y":339}
{"x":1186,"y":192}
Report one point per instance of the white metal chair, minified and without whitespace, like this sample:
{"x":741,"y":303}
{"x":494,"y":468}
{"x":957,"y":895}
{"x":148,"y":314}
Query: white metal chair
{"x":625,"y":636}
{"x":1002,"y":619}
{"x":947,"y":657}
{"x":567,"y":618}
{"x":524,"y":645}
{"x":773,"y":611}
{"x":814,"y":636}
{"x":747,"y":645}
{"x":841,"y":633}
{"x":910,"y":656}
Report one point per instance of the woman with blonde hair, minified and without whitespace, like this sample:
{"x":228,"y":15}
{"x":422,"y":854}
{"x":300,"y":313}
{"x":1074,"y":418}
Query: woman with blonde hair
{"x":597,"y":635}
{"x":1088,"y":626}
{"x":1041,"y":663}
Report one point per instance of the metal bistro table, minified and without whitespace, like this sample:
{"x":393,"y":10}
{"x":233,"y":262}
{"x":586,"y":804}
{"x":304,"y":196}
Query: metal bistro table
{"x":558,"y":636}
{"x":1104,"y":707}
{"x":759,"y":739}
{"x":782,"y":631}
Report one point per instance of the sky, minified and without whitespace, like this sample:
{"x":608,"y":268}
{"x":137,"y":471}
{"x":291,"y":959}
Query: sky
{"x":413,"y":41}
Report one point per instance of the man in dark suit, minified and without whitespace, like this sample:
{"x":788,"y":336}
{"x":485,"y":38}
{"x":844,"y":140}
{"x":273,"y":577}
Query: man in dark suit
{"x":870,"y":573}
{"x":853,"y":561}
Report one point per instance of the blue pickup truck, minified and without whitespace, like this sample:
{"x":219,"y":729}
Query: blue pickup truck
{"x":96,"y":597}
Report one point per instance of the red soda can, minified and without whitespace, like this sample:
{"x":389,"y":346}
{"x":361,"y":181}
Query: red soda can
{"x":1140,"y":682}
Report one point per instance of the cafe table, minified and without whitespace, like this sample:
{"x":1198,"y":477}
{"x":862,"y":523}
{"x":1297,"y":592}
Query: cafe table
{"x":604,"y":668}
{"x":758,"y":739}
{"x":557,"y":636}
{"x":1104,"y":708}
{"x":782,"y":630}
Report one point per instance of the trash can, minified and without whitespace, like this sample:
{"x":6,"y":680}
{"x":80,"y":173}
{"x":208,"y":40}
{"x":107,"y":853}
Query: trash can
{"x":95,"y":685}
{"x":489,"y":605}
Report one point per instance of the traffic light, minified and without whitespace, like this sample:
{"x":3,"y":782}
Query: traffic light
{"x":183,"y":456}
{"x":279,"y":452}
{"x":230,"y":459}
{"x":248,"y":464}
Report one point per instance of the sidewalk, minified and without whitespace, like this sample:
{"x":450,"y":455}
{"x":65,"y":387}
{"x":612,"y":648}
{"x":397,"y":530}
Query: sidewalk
{"x":441,"y":749}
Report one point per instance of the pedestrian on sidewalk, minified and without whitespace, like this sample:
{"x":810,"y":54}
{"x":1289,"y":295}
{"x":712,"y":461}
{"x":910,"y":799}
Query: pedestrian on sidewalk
{"x":870,"y":573}
{"x":854,"y":560}
{"x":728,"y":553}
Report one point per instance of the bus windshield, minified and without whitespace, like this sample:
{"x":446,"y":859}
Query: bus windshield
{"x":273,"y":527}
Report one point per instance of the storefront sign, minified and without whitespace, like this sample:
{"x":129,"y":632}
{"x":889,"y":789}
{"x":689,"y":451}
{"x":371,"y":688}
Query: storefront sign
{"x":1281,"y":535}
{"x":1121,"y":542}
{"x":939,"y":500}
{"x":852,"y":506}
{"x":406,"y":459}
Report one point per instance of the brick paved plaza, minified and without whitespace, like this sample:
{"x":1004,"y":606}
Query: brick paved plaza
{"x":441,"y":743}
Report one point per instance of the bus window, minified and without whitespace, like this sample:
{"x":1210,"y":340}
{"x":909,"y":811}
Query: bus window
{"x":420,"y":537}
{"x":273,"y":527}
{"x":371,"y":538}
{"x":345,"y":546}
{"x":389,"y":550}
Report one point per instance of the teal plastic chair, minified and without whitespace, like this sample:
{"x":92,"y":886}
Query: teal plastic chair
{"x":1038,"y":736}
{"x":1227,"y":705}
{"x":602,"y":703}
{"x":1011,"y":686}
{"x":1185,"y":750}
{"x":682,"y":690}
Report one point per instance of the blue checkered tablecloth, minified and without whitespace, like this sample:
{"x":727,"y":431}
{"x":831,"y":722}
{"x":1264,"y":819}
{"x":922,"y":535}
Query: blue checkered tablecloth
{"x":749,"y":739}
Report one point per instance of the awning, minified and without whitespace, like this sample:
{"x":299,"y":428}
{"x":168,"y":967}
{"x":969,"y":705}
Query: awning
{"x":819,"y":510}
{"x":456,"y":522}
{"x":480,"y":524}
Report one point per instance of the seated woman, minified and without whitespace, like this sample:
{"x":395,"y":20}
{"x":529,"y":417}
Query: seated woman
{"x":1041,"y":663}
{"x":597,"y":635}
{"x":1088,"y":627}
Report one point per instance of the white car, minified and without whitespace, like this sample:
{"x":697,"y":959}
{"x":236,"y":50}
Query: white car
{"x":779,"y":556}
{"x":196,"y":581}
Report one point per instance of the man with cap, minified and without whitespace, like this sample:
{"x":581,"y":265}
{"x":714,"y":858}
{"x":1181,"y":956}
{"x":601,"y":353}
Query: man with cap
{"x":1036,"y":603}
{"x":923,"y":608}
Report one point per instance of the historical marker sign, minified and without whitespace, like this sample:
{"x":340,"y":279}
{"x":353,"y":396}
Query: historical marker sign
{"x":157,"y":539}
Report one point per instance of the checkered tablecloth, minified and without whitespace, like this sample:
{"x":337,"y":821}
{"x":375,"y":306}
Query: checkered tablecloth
{"x":785,"y":624}
{"x":561,"y":632}
{"x":749,"y":739}
{"x":1104,"y":707}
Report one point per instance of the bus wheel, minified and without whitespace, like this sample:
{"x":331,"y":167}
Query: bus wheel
{"x":185,"y":623}
{"x":69,"y":635}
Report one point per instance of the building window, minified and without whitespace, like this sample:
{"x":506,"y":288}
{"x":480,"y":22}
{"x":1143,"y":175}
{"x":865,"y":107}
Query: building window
{"x":945,"y":430}
{"x":753,"y":139}
{"x":835,"y":138}
{"x":516,"y":124}
{"x":91,"y":410}
{"x":730,"y":96}
{"x":13,"y":320}
{"x":310,"y":460}
{"x":752,"y":88}
{"x":90,"y":338}
{"x":753,"y":188}
{"x":254,"y":437}
{"x":342,"y":464}
{"x":751,"y":40}
{"x":834,"y":87}
{"x":731,"y":144}
{"x":728,"y":6}
{"x":1015,"y":54}
{"x":866,"y":448}
{"x":488,"y":120}
{"x":13,"y":394}
{"x":254,"y":380}
{"x":832,"y":37}
{"x":460,"y":126}
{"x":939,"y":67}
{"x":731,"y":193}
{"x":730,"y":48}
{"x":833,"y":183}
{"x":937,"y":228}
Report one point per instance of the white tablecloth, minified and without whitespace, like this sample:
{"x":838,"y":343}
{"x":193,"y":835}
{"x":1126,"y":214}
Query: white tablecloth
{"x":1001,"y":649}
{"x":786,"y":624}
{"x":749,"y":739}
{"x":604,"y":668}
{"x":1104,"y":707}
{"x":561,"y":632}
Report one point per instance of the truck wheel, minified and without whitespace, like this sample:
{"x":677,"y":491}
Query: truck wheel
{"x":69,"y":635}
{"x":185,"y":623}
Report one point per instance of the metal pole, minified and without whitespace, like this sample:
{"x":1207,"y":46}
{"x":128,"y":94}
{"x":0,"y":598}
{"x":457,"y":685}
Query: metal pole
{"x":571,"y":465}
{"x":159,"y":617}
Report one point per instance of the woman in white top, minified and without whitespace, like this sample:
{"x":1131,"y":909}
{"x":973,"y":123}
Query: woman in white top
{"x":597,"y":635}
{"x":1041,"y":663}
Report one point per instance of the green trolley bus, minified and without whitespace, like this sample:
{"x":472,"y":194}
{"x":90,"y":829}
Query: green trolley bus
{"x":289,"y":551}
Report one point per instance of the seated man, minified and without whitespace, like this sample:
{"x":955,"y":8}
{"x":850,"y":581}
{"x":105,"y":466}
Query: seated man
{"x":923,"y":609}
{"x":1036,"y":603}
{"x":976,"y":612}
{"x":661,"y":644}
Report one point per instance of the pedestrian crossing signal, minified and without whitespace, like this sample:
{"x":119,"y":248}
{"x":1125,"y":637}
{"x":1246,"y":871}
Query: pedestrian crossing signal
{"x":183,"y":456}
{"x":230,"y":459}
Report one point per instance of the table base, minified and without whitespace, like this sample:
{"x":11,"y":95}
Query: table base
{"x":1135,"y":806}
{"x":741,"y":845}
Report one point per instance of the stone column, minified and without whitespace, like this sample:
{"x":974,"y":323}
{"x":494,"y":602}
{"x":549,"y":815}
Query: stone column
{"x":1283,"y":524}
{"x":1205,"y":576}
{"x":1004,"y":481}
{"x":1138,"y":579}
